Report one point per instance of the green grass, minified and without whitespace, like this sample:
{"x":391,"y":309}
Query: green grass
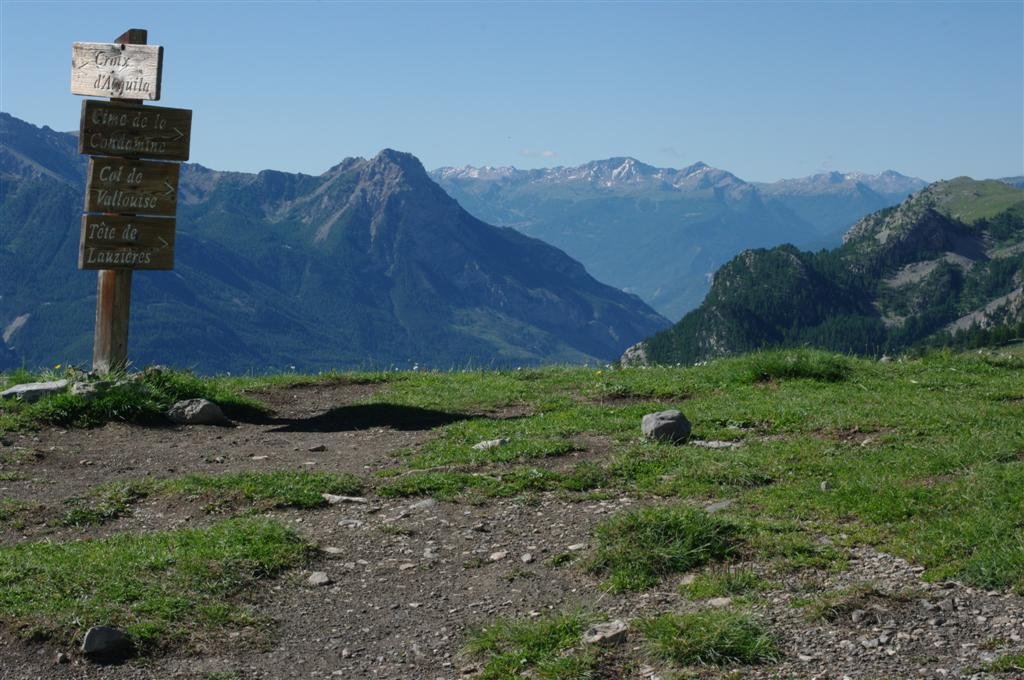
{"x":279,"y":489}
{"x":158,"y":587}
{"x":723,"y":583}
{"x":798,"y":365}
{"x":1007,"y":663}
{"x":143,"y":397}
{"x":636,"y":549}
{"x":541,"y":648}
{"x":708,"y":638}
{"x":923,"y":457}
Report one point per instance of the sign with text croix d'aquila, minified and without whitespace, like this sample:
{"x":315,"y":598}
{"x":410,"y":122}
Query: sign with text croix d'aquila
{"x":122,"y":71}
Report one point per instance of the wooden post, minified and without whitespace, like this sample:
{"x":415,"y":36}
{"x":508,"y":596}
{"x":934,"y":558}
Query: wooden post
{"x":114,"y":287}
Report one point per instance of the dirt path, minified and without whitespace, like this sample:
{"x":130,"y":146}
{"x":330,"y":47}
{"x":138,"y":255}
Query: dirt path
{"x":411,"y":577}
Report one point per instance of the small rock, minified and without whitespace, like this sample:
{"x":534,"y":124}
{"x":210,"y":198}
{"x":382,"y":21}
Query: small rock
{"x":805,"y":657}
{"x":319,"y":578}
{"x":345,"y":653}
{"x":196,"y":412}
{"x":87,"y":390}
{"x":666,"y":426}
{"x":334,"y":500}
{"x":714,"y":444}
{"x":611,"y":633}
{"x":317,"y":449}
{"x":490,"y":444}
{"x":423,"y":504}
{"x":720,"y":601}
{"x":526,"y":558}
{"x":351,"y":523}
{"x":106,"y":643}
{"x":406,"y":566}
{"x":331,"y":550}
{"x":63,"y":658}
{"x":825,"y":486}
{"x":500,"y":555}
{"x":578,"y":546}
{"x":34,"y":391}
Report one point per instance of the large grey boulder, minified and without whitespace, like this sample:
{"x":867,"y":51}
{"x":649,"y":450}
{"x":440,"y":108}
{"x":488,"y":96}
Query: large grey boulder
{"x":34,"y":391}
{"x":106,"y":644}
{"x":197,"y":412}
{"x":666,"y":426}
{"x":635,"y":355}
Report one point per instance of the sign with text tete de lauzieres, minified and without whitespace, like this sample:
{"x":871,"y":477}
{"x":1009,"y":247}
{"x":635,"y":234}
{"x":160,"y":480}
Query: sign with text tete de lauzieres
{"x":119,"y":134}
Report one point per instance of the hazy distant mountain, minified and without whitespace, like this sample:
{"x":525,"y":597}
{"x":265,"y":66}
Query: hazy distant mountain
{"x":1017,"y":181}
{"x":662,"y":232}
{"x":948,"y":260}
{"x":369,"y":264}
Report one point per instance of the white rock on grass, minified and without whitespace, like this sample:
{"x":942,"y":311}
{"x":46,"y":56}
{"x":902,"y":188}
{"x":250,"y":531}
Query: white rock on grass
{"x":334,"y":500}
{"x":611,"y":633}
{"x":490,"y":444}
{"x":666,"y":426}
{"x":34,"y":391}
{"x":196,"y":412}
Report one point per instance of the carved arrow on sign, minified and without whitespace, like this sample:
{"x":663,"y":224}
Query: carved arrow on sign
{"x":170,"y":189}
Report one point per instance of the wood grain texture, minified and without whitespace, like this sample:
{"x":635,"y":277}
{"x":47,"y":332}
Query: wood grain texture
{"x":121,"y":185}
{"x":120,"y":70}
{"x":126,"y":242}
{"x":116,"y":129}
{"x":113,"y":302}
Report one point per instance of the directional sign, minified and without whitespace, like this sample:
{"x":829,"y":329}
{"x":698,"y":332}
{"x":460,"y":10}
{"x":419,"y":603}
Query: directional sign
{"x":116,"y":70}
{"x":113,"y":129}
{"x":125,"y":242}
{"x":120,"y":185}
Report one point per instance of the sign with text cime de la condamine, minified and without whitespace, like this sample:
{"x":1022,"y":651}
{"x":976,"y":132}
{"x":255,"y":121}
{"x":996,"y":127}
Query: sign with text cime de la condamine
{"x":126,"y":242}
{"x":122,"y":185}
{"x":119,"y":70}
{"x":118,"y":129}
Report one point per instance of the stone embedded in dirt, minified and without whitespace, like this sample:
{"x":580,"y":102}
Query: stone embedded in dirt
{"x":500,"y":555}
{"x":720,"y":601}
{"x":34,"y":391}
{"x":317,"y":449}
{"x":319,"y":578}
{"x":407,"y":566}
{"x":611,"y":633}
{"x":825,"y":486}
{"x":423,"y":504}
{"x":666,"y":426}
{"x":196,"y":412}
{"x":490,"y":444}
{"x":106,"y":644}
{"x":351,"y":523}
{"x":334,"y":500}
{"x":578,"y":546}
{"x":526,"y":558}
{"x":63,"y":658}
{"x":331,"y":550}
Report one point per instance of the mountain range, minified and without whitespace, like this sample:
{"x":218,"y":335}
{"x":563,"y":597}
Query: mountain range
{"x":370,"y":264}
{"x":662,"y":232}
{"x":946,"y":266}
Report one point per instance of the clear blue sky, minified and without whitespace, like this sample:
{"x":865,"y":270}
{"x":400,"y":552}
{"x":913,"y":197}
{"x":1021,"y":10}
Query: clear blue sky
{"x":766,"y":90}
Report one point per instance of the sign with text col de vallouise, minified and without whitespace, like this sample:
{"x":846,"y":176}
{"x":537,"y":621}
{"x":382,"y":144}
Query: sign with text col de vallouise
{"x":131,"y":191}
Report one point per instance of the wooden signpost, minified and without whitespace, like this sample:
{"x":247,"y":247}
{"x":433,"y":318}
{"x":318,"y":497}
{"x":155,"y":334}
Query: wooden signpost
{"x":130,"y":203}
